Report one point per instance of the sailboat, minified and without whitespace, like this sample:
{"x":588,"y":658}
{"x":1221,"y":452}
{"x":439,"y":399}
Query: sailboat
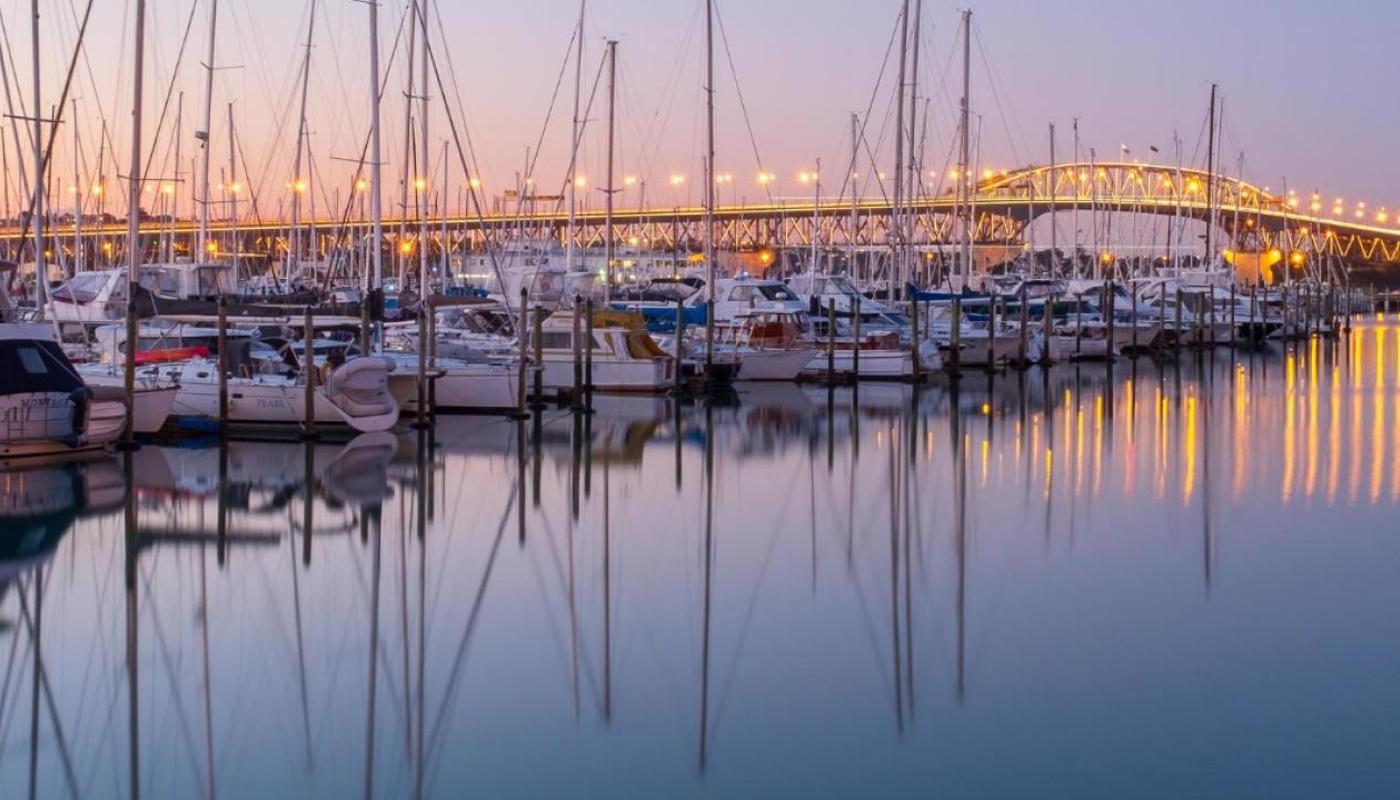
{"x":45,"y":407}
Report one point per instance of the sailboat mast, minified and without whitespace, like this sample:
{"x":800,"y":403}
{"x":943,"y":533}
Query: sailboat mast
{"x":1054,"y":227}
{"x":1210,"y":178}
{"x":572,"y":188}
{"x":231,"y":186}
{"x":203,"y":135}
{"x":612,"y":143}
{"x":911,"y":186}
{"x":376,"y":200}
{"x":77,"y":199}
{"x":424,"y":155}
{"x":299,"y":184}
{"x":445,"y":250}
{"x":896,"y":220}
{"x":709,"y":189}
{"x":401,"y":258}
{"x":851,"y":176}
{"x":965,"y":155}
{"x":133,"y":228}
{"x":170,"y":200}
{"x":41,"y":272}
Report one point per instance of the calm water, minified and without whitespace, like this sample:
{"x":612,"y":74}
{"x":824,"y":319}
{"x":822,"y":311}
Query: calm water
{"x":1167,"y":580}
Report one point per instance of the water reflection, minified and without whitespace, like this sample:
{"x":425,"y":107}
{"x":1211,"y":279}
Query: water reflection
{"x":810,"y":590}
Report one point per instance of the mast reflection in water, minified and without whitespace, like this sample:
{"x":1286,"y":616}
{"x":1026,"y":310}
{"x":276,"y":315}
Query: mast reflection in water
{"x":1173,"y":579}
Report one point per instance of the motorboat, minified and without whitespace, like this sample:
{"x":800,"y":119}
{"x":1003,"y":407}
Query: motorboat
{"x":744,"y":294}
{"x":1081,"y":342}
{"x":772,"y":345}
{"x":625,"y":357}
{"x":45,"y":406}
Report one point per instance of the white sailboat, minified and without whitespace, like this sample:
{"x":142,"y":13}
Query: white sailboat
{"x":356,"y":394}
{"x":45,"y":408}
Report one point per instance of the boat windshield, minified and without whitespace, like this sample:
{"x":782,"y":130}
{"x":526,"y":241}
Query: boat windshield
{"x":1043,"y":288}
{"x":835,"y":285}
{"x":776,"y":292}
{"x":83,"y":288}
{"x":214,"y":279}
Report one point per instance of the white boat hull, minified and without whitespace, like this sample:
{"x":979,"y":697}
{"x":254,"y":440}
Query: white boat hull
{"x":1071,"y":348}
{"x":153,"y":400}
{"x":773,"y":365}
{"x":611,"y":375}
{"x":472,"y":387}
{"x":275,"y":400}
{"x":40,"y":423}
{"x":973,"y":349}
{"x":874,"y":364}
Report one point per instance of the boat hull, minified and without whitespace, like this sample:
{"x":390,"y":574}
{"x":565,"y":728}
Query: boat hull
{"x":613,"y":375}
{"x":153,"y":400}
{"x":874,"y":364}
{"x":484,"y":387}
{"x":773,"y":365}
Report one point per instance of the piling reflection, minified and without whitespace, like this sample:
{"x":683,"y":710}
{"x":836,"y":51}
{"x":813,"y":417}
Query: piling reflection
{"x":689,"y":592}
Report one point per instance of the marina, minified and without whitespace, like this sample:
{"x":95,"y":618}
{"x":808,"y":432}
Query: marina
{"x":822,"y":406}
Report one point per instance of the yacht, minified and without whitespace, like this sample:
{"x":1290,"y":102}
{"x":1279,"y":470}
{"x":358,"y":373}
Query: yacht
{"x":742,"y":295}
{"x":625,"y":357}
{"x":772,"y":345}
{"x":534,"y":264}
{"x":45,"y":407}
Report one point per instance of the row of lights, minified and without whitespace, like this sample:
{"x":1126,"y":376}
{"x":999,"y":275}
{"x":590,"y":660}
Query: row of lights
{"x":805,"y":177}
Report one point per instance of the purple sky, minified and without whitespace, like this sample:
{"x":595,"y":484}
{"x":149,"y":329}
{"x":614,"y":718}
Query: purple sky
{"x":1304,"y":87}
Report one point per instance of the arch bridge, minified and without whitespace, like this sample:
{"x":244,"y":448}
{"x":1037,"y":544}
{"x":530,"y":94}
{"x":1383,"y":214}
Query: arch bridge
{"x":1250,"y":219}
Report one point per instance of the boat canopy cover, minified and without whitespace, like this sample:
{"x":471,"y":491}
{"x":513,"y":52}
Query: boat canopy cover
{"x":663,"y":320}
{"x":32,"y":366}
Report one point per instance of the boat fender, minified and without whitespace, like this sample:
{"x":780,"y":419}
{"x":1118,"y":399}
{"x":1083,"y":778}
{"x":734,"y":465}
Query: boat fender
{"x":81,"y":398}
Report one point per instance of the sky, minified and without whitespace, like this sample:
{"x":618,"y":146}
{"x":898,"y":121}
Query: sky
{"x":1305,"y":87}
